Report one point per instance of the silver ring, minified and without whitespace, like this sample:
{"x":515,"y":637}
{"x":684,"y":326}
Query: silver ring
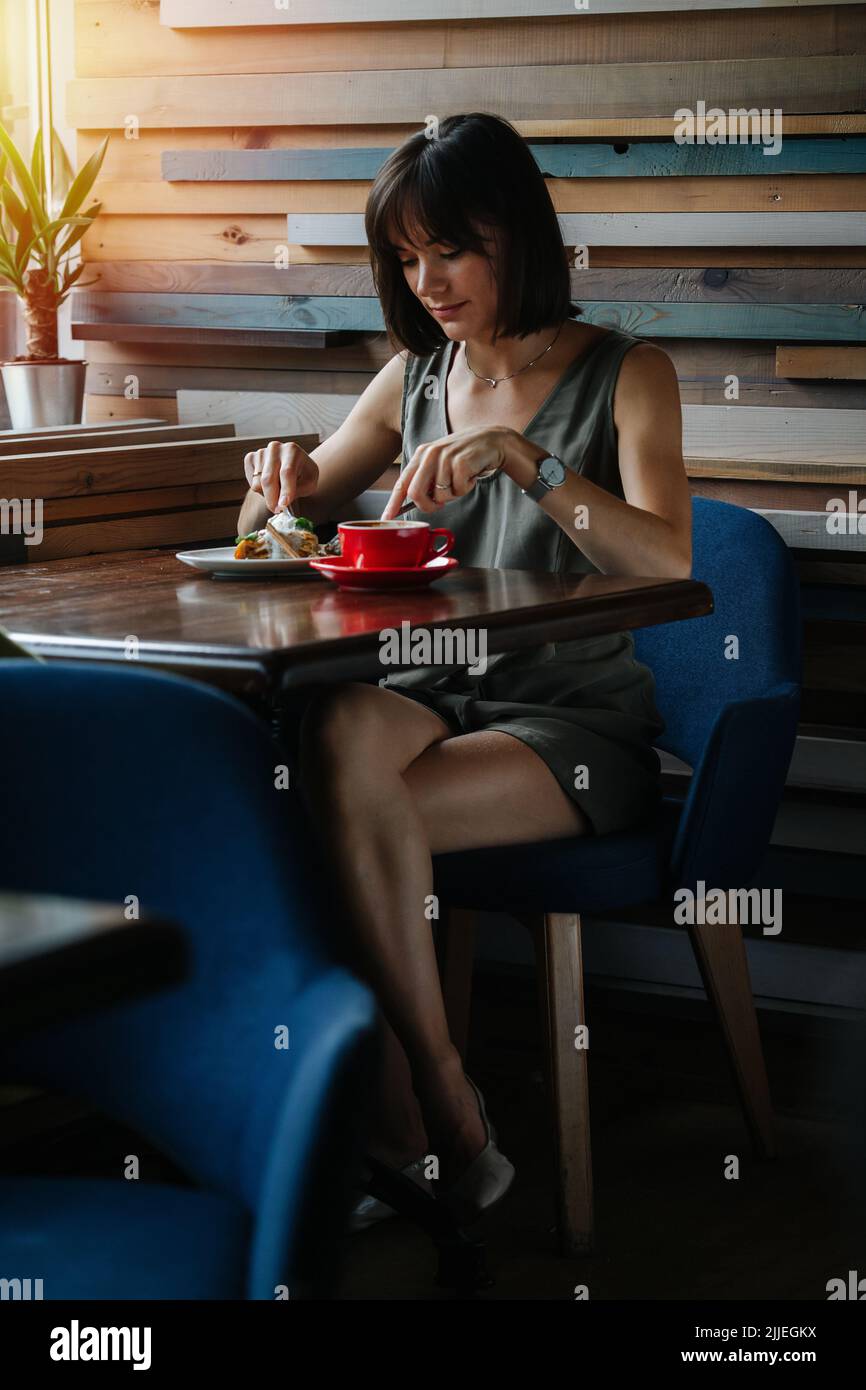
{"x":441,"y":487}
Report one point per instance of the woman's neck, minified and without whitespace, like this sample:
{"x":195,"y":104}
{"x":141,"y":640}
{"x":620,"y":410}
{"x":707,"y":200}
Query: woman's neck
{"x":507,"y":355}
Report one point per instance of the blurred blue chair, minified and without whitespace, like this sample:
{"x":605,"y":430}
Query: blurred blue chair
{"x":734,"y":722}
{"x":124,"y":782}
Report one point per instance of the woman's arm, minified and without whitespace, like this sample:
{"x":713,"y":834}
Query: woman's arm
{"x":649,"y":534}
{"x":352,"y":458}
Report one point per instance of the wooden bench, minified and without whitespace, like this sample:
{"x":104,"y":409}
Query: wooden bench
{"x":98,"y":491}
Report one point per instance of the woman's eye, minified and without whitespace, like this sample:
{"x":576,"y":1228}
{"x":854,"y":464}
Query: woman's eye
{"x":410,"y":262}
{"x":451,"y":255}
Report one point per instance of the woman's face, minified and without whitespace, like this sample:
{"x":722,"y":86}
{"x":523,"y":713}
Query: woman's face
{"x":457,"y":287}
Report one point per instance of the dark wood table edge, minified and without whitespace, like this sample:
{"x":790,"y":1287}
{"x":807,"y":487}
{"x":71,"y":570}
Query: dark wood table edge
{"x":252,"y":671}
{"x":517,"y":629}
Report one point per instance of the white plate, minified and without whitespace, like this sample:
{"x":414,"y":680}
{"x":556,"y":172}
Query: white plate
{"x":220,"y":560}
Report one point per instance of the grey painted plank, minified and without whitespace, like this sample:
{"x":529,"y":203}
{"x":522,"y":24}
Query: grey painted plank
{"x":714,"y":285}
{"x":717,"y":285}
{"x":638,"y":159}
{"x":802,"y":322}
{"x":753,"y":434}
{"x":636,"y":229}
{"x":843,"y":323}
{"x":189,"y":14}
{"x":808,"y":531}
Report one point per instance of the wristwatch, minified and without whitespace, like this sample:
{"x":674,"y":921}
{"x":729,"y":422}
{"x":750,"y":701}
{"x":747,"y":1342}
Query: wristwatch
{"x":552,"y":473}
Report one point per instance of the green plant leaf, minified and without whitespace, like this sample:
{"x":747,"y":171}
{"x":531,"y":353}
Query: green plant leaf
{"x":82,"y":223}
{"x":25,"y":242}
{"x":70,"y":277}
{"x":47,"y":235}
{"x":8,"y":267}
{"x":12,"y":205}
{"x":37,"y":164}
{"x":63,"y":171}
{"x":84,"y":181}
{"x":28,"y":188}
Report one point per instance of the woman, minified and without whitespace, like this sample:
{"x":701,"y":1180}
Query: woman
{"x":494,"y":375}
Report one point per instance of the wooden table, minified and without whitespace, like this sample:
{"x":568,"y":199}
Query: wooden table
{"x":262,"y":637}
{"x":61,"y":956}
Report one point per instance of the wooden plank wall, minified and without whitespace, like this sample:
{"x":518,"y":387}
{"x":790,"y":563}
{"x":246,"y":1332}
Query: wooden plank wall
{"x":735,"y":261}
{"x":233,"y":279}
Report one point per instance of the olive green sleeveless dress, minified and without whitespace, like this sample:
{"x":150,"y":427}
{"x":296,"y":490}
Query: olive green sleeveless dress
{"x":586,"y":706}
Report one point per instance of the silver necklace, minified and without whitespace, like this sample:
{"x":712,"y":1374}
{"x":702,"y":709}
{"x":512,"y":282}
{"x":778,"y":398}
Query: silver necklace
{"x":495,"y":380}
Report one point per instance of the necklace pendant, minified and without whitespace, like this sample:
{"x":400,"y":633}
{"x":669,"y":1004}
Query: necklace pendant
{"x":494,"y":384}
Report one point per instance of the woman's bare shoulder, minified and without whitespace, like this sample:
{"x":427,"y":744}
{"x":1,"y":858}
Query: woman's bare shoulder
{"x":646,"y":383}
{"x":385,"y":391}
{"x":645,"y":366}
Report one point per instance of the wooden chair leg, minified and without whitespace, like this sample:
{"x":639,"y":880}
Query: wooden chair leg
{"x":721,"y":956}
{"x":456,"y":951}
{"x":560,"y":982}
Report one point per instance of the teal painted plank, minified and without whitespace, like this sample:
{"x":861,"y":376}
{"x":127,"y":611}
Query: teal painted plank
{"x":271,"y":166}
{"x":325,"y":313}
{"x":649,"y":159}
{"x":840,"y":323}
{"x":662,"y":159}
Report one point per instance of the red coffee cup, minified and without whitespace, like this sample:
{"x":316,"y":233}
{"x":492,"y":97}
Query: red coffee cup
{"x":392,"y":544}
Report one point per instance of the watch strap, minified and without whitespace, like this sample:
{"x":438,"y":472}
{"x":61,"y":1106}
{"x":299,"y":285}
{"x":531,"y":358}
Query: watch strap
{"x":537,"y":490}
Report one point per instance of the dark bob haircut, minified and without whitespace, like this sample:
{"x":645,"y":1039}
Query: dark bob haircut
{"x":476,"y":176}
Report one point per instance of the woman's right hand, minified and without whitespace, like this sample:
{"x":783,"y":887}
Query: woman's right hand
{"x":281,"y":473}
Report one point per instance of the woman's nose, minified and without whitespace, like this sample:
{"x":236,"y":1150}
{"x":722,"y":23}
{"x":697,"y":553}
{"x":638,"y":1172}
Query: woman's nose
{"x":427,"y":281}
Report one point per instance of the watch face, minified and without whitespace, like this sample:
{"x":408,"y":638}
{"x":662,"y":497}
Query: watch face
{"x":552,"y":472}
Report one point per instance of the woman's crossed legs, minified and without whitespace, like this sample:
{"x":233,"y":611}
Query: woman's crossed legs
{"x":388,"y":785}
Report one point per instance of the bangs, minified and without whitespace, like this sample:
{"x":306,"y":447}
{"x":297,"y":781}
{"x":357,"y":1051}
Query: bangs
{"x":415,"y":207}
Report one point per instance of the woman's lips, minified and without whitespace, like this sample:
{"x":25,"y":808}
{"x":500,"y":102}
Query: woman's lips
{"x":449,"y":311}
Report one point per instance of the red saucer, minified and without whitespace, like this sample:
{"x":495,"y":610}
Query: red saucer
{"x":347,"y":577}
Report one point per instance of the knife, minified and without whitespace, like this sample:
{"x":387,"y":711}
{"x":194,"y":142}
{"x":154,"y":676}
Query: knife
{"x":479,"y":477}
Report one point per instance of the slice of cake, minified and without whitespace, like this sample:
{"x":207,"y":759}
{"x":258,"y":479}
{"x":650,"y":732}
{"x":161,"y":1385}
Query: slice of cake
{"x":294,"y":535}
{"x":282,"y":535}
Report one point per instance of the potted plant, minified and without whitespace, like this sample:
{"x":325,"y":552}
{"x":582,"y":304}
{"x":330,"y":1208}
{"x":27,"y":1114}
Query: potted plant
{"x":37,"y":238}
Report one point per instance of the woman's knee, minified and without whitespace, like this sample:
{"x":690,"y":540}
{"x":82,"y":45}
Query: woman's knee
{"x":363,"y":730}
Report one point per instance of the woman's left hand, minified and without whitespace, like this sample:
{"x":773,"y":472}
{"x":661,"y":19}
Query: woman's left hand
{"x":448,"y":468}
